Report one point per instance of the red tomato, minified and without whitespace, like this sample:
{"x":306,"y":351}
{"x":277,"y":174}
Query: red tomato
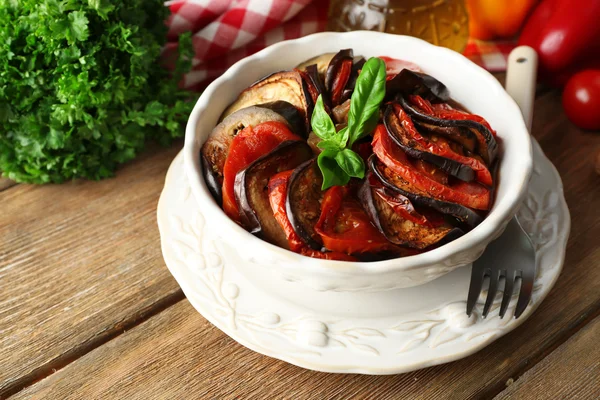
{"x":445,"y":111}
{"x":581,"y":99}
{"x":469,"y":194}
{"x":442,"y":148}
{"x":393,"y":66}
{"x":345,"y":227}
{"x":278,"y":185}
{"x":339,"y":83}
{"x":248,"y":145}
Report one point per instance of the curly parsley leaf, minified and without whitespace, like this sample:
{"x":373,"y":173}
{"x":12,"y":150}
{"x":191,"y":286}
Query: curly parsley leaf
{"x":82,"y":88}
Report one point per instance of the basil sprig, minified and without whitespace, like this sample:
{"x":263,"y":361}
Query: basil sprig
{"x":337,"y":162}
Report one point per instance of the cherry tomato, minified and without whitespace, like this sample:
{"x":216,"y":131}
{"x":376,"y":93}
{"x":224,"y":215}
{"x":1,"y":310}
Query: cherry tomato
{"x":581,"y":99}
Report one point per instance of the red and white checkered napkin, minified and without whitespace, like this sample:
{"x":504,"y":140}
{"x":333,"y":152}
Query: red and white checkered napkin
{"x":225,"y":31}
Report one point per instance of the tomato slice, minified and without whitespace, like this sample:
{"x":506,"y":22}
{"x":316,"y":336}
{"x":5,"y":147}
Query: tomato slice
{"x":441,"y":147}
{"x":278,"y":186}
{"x":446,"y":111}
{"x":345,"y":227}
{"x":469,"y":194}
{"x":248,"y":145}
{"x":393,"y":66}
{"x":340,"y":81}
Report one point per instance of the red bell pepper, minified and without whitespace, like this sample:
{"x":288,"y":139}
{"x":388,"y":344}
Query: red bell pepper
{"x":278,"y":185}
{"x":566,"y":36}
{"x":469,"y":194}
{"x":248,"y":145}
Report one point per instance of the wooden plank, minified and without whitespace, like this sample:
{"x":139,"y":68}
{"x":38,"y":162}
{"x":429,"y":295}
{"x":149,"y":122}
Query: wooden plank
{"x":78,"y":262}
{"x":6,"y":183}
{"x":178,"y":354}
{"x":570,"y":372}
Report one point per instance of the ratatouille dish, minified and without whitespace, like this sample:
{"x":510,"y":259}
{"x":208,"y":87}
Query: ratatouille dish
{"x":344,"y":158}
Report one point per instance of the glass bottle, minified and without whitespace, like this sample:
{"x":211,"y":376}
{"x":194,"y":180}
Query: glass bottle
{"x":441,"y":22}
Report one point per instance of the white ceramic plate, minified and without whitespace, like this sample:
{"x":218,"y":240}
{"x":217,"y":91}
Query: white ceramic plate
{"x":371,"y":333}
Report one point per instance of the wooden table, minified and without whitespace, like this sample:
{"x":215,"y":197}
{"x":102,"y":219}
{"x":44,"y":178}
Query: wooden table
{"x":88,"y":309}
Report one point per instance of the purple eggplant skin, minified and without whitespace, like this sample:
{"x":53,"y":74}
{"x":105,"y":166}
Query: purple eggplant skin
{"x":466,"y":216}
{"x":349,"y":89}
{"x":409,"y":82}
{"x":251,"y":194}
{"x":313,"y":74}
{"x":462,"y":136}
{"x":303,"y":202}
{"x":334,"y":66}
{"x":397,"y":229}
{"x":487,"y":147}
{"x":212,"y":181}
{"x":398,"y":135}
{"x":291,"y":114}
{"x":283,"y":85}
{"x":321,"y":61}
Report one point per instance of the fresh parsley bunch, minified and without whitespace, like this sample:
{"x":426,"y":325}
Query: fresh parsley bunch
{"x":82,"y":88}
{"x":337,"y":162}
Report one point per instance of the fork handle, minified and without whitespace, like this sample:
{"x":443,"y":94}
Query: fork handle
{"x":521,"y":76}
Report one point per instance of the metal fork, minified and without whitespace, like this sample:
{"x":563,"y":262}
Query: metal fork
{"x":512,"y":256}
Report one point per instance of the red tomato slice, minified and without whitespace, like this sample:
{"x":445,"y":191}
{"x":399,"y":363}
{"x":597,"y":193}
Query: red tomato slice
{"x":469,"y":194}
{"x":278,"y":185}
{"x":339,"y":83}
{"x":345,"y":227}
{"x":393,"y":66}
{"x":248,"y":145}
{"x":442,"y":148}
{"x":446,"y":111}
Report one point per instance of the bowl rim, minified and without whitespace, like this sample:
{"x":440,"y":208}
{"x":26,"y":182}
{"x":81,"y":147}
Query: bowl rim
{"x":483,"y":233}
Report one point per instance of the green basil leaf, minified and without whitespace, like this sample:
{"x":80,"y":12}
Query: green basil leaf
{"x":351,"y":163}
{"x":329,"y":144}
{"x":321,"y":122}
{"x":333,"y":174}
{"x":368,"y":94}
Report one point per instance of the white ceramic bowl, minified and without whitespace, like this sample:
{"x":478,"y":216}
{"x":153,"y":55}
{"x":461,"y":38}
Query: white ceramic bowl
{"x":469,"y":84}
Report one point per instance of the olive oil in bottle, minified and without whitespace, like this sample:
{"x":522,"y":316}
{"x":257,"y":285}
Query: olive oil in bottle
{"x":441,"y":22}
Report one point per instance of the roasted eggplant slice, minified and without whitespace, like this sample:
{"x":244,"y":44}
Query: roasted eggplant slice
{"x":415,"y":148}
{"x":322,"y":61}
{"x":338,"y":74}
{"x":251,"y":189}
{"x":356,"y":67}
{"x":212,"y":180}
{"x":487,"y":147}
{"x":409,"y":82}
{"x":394,"y":215}
{"x":340,"y":112}
{"x":291,"y":114}
{"x":215,"y":149}
{"x":303,"y":202}
{"x":285,"y":85}
{"x":389,"y":179}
